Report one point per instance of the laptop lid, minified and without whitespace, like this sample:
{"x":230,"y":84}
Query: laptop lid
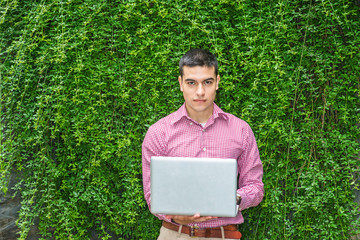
{"x":186,"y":186}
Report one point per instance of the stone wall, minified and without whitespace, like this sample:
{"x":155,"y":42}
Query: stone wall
{"x":9,"y":208}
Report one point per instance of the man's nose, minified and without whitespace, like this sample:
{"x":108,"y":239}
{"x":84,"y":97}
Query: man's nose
{"x":200,"y":91}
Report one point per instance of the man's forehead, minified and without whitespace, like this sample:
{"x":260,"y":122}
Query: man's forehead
{"x":199,"y":70}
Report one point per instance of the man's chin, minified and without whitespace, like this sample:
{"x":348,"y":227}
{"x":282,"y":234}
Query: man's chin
{"x":200,"y":109}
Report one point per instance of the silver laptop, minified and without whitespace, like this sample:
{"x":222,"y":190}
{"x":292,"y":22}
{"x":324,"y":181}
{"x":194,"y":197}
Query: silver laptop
{"x":186,"y":186}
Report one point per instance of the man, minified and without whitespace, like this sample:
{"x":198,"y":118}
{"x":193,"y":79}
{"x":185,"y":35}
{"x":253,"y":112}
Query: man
{"x":199,"y":128}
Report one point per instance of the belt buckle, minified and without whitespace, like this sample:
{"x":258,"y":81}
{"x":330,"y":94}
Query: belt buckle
{"x":192,"y":231}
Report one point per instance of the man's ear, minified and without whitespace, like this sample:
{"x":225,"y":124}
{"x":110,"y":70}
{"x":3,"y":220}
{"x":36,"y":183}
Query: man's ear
{"x":180,"y":82}
{"x":217,"y":81}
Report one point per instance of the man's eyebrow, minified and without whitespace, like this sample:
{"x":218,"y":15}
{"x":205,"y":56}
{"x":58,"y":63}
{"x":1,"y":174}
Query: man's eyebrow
{"x":189,"y":79}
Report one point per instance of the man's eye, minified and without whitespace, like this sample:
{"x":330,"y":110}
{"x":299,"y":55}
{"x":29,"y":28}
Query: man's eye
{"x":191,"y":83}
{"x":208,"y":82}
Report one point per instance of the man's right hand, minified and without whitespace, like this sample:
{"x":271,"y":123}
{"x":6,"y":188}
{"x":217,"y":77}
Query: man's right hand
{"x":184,"y":220}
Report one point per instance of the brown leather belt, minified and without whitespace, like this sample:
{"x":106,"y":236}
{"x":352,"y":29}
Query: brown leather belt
{"x":229,"y":230}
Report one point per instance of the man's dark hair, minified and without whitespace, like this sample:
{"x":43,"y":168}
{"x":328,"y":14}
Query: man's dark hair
{"x":198,"y":57}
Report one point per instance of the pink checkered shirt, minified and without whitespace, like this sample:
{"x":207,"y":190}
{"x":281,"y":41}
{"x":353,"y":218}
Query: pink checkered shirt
{"x":224,"y":136}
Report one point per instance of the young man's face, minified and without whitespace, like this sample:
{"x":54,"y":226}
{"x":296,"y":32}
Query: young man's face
{"x":199,"y":85}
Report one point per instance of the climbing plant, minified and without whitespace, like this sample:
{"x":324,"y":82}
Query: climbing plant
{"x":81,"y":82}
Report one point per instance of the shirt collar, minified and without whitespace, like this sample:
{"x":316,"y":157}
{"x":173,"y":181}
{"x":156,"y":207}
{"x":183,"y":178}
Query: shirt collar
{"x":181,"y":113}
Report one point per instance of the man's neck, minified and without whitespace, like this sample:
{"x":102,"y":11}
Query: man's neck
{"x":200,"y":117}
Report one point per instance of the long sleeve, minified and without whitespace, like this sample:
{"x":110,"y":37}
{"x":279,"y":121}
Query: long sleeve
{"x":153,"y":145}
{"x":251,"y":187}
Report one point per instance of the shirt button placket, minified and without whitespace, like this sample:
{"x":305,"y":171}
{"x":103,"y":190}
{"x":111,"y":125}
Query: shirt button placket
{"x":203,"y":140}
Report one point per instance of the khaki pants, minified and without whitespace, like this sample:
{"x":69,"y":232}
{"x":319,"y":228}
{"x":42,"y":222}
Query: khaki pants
{"x":167,"y":234}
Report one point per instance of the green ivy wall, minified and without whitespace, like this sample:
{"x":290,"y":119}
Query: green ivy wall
{"x":81,"y":82}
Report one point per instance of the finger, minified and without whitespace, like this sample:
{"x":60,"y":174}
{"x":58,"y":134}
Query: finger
{"x":207,"y":217}
{"x":203,"y":219}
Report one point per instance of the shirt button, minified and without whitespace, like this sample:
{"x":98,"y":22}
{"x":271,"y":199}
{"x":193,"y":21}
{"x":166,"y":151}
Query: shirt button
{"x":204,"y":149}
{"x":190,"y":123}
{"x":203,"y":130}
